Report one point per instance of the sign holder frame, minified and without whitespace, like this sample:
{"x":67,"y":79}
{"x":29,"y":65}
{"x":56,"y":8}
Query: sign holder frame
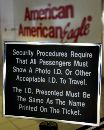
{"x":68,"y":44}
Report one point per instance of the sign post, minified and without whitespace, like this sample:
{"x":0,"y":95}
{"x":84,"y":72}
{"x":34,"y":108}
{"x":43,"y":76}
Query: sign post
{"x":48,"y":125}
{"x":56,"y":82}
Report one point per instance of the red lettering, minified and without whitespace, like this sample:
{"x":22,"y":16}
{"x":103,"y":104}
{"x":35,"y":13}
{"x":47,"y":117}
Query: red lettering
{"x":52,"y":32}
{"x":33,"y":32}
{"x":42,"y":14}
{"x":69,"y":8}
{"x":21,"y":31}
{"x":27,"y":15}
{"x":60,"y":12}
{"x":66,"y":33}
{"x":74,"y":34}
{"x":44,"y":32}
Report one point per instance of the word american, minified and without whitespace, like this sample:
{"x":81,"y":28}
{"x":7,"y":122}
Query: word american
{"x":63,"y":11}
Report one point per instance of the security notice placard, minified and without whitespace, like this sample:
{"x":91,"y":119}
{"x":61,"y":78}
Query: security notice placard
{"x":53,"y":81}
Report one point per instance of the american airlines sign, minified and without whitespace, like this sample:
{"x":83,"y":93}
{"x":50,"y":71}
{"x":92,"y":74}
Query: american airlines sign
{"x":61,"y":21}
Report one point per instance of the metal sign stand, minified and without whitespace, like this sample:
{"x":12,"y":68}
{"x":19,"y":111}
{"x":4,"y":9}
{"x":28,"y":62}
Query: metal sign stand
{"x":48,"y":125}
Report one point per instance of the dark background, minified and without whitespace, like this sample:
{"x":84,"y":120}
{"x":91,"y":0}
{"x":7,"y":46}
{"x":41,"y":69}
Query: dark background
{"x":89,"y":112}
